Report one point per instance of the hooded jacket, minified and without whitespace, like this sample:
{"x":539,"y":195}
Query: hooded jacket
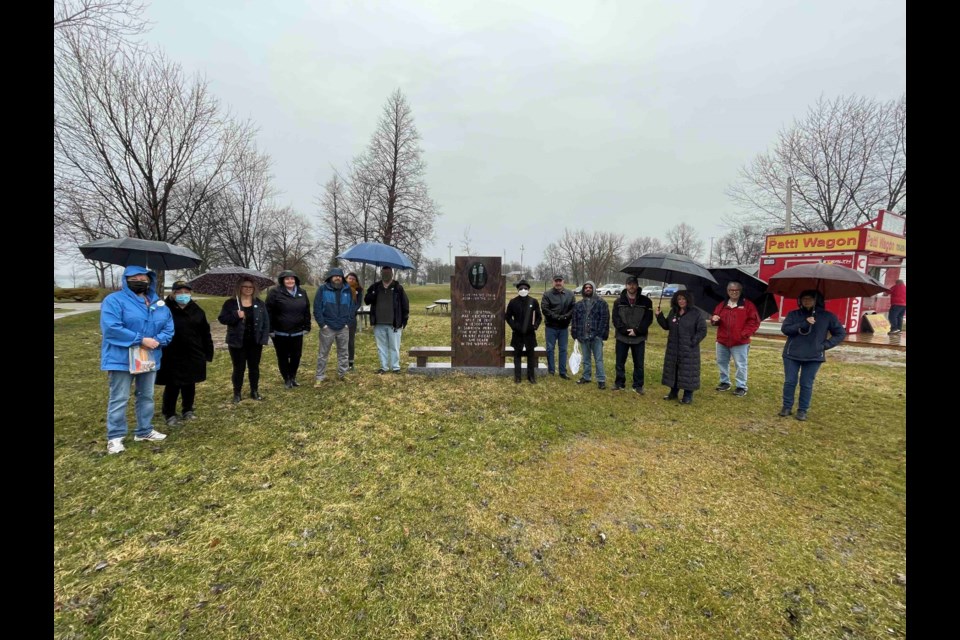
{"x":125,"y":320}
{"x":289,"y":313}
{"x":594,"y":323}
{"x":334,"y":307}
{"x":808,"y":342}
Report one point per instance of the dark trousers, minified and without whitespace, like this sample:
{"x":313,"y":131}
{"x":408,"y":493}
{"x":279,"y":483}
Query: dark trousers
{"x":637,"y":352}
{"x":289,"y":349}
{"x":521,"y":343}
{"x":170,"y":393}
{"x":896,"y":316}
{"x":247,"y":356}
{"x":352,"y":334}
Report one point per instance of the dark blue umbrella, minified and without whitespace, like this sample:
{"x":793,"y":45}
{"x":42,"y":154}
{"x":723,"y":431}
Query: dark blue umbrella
{"x":151,"y":254}
{"x":376,"y":253}
{"x":754,"y":290}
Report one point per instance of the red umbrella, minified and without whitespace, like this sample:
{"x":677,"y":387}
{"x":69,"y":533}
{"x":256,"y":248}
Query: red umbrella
{"x":831,"y":280}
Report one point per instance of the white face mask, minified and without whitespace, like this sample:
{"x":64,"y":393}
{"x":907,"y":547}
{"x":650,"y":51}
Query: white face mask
{"x":523,"y":293}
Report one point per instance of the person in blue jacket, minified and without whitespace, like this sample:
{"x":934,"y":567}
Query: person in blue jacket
{"x":806,"y":329}
{"x":333,"y":308}
{"x":133,"y":316}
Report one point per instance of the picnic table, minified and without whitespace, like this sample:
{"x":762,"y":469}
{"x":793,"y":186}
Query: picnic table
{"x":364,"y":313}
{"x":443,"y":303}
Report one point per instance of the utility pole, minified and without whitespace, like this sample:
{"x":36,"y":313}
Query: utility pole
{"x":450,"y":257}
{"x":521,"y":261}
{"x":787,"y":218}
{"x":711,"y":251}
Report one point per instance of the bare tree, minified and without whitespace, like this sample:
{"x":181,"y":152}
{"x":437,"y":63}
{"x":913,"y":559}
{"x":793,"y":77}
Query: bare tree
{"x":741,"y":245}
{"x":641,"y":246}
{"x":846,"y":158}
{"x":590,"y":255}
{"x":291,"y":244}
{"x":335,"y":214}
{"x":113,"y":19}
{"x":466,"y":241}
{"x":403,"y":211}
{"x":245,"y":211}
{"x":683,"y":239}
{"x":572,"y":249}
{"x":129,"y":128}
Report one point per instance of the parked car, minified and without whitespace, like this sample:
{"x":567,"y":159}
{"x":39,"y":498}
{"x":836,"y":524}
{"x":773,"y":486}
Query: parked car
{"x":609,"y":289}
{"x":672,"y":289}
{"x":578,"y":291}
{"x":652,"y":291}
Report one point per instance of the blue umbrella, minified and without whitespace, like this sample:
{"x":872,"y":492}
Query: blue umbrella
{"x":376,"y":253}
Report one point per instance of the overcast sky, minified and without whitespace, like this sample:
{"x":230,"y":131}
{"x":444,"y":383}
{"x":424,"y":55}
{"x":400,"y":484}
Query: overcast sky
{"x":614,"y":115}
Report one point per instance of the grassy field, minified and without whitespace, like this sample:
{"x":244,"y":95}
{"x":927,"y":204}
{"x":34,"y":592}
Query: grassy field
{"x":411,"y":507}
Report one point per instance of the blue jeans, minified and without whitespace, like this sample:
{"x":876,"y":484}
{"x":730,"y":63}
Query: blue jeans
{"x":593,"y":346}
{"x":120,"y":382}
{"x":555,"y":336}
{"x":388,"y":346}
{"x":806,"y":372}
{"x":739,"y":353}
{"x":896,"y":316}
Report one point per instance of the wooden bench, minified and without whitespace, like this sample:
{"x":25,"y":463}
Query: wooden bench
{"x":423,"y":354}
{"x":431,"y":307}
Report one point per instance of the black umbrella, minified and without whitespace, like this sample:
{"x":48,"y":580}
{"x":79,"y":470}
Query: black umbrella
{"x":222,"y":281}
{"x":830,"y":280}
{"x":754,"y":290}
{"x":670,"y":268}
{"x":151,"y":254}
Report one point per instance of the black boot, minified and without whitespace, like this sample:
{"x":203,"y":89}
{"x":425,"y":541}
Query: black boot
{"x":293,"y":381}
{"x":516,"y":375}
{"x":236,"y":397}
{"x":255,"y":395}
{"x":532,"y":376}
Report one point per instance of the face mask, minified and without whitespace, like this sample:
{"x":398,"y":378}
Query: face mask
{"x":138,"y":286}
{"x":386,"y":278}
{"x":523,"y":293}
{"x":182,"y":298}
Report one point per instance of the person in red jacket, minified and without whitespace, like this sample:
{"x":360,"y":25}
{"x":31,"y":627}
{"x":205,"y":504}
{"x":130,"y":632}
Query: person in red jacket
{"x":736,"y":320}
{"x":898,"y":307}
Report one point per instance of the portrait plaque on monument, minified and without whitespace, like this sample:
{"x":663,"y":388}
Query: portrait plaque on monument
{"x":478,"y":299}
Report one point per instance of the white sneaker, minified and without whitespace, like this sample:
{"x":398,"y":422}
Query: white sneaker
{"x":153,"y":436}
{"x":115,"y":445}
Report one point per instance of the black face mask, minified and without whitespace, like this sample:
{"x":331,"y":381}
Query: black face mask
{"x":138,"y":286}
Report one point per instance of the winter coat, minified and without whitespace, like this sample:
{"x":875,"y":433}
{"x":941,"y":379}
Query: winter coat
{"x":638,"y":317}
{"x":808,"y":342}
{"x":736,"y":324}
{"x":126,"y":319}
{"x":401,"y":305}
{"x":357,"y":297}
{"x":523,"y":315}
{"x":597,"y":325}
{"x":235,"y":324}
{"x":185,"y":358}
{"x":333,"y":307}
{"x":681,"y":361}
{"x":557,"y":308}
{"x":898,"y":295}
{"x":289,"y":313}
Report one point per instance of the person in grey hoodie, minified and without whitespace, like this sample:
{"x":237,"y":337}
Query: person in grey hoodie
{"x":333,"y":307}
{"x":591,"y":326}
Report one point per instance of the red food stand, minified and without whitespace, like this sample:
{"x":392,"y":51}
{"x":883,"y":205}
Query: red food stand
{"x":878,"y":248}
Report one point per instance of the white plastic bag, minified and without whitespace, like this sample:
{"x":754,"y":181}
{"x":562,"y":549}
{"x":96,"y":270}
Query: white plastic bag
{"x":575,"y":358}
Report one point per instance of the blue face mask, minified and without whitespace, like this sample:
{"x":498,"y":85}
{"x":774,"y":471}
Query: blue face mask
{"x":182,"y":298}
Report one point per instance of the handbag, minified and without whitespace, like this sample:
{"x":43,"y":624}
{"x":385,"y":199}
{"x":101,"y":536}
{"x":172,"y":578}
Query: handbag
{"x":575,"y":358}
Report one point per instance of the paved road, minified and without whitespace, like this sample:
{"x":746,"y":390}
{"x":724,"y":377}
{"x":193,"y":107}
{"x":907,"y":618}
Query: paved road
{"x":73,"y":308}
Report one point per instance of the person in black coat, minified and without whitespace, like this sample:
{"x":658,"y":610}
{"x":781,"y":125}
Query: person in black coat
{"x":289,"y":309}
{"x":806,"y":328}
{"x":632,"y":316}
{"x":681,"y":361}
{"x":524,"y":317}
{"x":185,"y":358}
{"x":248,"y":329}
